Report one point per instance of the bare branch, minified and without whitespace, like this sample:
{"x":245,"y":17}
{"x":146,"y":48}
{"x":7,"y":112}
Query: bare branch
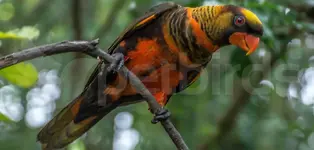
{"x":89,"y":48}
{"x":47,"y":50}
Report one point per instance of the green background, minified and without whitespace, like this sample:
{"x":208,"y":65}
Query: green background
{"x":274,"y":111}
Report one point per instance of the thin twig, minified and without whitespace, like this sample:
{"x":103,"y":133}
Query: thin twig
{"x":153,"y":105}
{"x":47,"y":50}
{"x":89,"y":48}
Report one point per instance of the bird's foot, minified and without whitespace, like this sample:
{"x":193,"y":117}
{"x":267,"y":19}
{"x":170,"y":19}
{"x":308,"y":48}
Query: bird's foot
{"x":99,"y":59}
{"x":117,"y":63}
{"x":160,"y":115}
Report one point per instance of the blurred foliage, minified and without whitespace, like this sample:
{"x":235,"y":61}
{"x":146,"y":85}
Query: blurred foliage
{"x":4,"y":118}
{"x":26,"y":32}
{"x":21,"y":74}
{"x":278,"y":115}
{"x":6,"y":11}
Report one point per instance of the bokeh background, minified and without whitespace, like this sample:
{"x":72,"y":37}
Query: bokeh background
{"x":264,"y":101}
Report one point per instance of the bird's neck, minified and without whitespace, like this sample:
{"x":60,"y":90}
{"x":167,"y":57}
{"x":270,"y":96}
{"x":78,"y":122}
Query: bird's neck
{"x":188,"y":34}
{"x":207,"y":14}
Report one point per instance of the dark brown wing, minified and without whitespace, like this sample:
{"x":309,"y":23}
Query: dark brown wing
{"x":146,"y":19}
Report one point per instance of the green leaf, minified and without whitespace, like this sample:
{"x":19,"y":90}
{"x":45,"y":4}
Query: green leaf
{"x":4,"y":118}
{"x":22,"y":74}
{"x":6,"y":11}
{"x":77,"y":145}
{"x":8,"y":35}
{"x":26,"y":32}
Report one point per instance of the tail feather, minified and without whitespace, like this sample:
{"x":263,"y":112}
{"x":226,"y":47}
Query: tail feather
{"x":57,"y":124}
{"x":62,"y":129}
{"x":80,"y":115}
{"x":71,"y":132}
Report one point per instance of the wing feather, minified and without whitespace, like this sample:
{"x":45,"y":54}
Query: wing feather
{"x":146,"y":19}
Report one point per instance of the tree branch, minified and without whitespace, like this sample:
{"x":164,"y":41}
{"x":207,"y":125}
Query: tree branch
{"x":47,"y":50}
{"x":90,"y":48}
{"x":153,"y":104}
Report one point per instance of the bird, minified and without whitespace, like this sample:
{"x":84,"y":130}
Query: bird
{"x":167,"y":48}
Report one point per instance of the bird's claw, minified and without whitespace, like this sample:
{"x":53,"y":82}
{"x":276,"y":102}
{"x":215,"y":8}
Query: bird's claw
{"x":99,"y":59}
{"x":117,"y":63}
{"x":160,"y":115}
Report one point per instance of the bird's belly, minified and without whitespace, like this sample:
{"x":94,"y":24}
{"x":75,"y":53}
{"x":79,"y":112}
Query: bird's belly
{"x":163,"y":79}
{"x":155,"y":67}
{"x":158,"y":69}
{"x":160,"y":82}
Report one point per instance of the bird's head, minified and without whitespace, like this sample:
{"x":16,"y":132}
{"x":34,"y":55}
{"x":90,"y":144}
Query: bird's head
{"x":229,"y":24}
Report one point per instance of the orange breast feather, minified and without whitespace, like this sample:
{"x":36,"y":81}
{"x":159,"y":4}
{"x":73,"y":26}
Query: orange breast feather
{"x":149,"y":57}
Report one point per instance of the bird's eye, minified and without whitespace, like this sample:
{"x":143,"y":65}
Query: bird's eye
{"x":239,"y":20}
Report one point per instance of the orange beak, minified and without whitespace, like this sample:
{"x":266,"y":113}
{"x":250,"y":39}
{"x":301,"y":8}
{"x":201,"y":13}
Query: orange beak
{"x":245,"y":41}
